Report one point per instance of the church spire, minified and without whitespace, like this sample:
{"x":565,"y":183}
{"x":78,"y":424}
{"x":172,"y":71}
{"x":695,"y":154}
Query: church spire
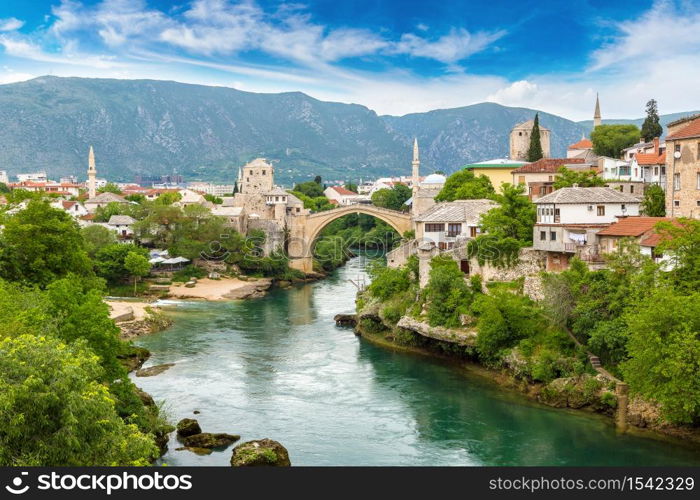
{"x":596,"y":114}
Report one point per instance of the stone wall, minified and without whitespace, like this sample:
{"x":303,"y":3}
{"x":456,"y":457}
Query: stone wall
{"x":530,"y":263}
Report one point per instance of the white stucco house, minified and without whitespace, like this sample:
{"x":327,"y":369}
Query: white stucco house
{"x":447,"y":223}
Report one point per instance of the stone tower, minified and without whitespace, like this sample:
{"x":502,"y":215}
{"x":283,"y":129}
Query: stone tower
{"x":92,"y":172}
{"x":520,"y":141}
{"x":596,"y":113}
{"x":415,"y":170}
{"x":256,"y":177}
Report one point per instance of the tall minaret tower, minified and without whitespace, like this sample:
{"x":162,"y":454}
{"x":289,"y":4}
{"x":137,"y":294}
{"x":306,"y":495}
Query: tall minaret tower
{"x":415,"y":173}
{"x":596,"y":114}
{"x":92,"y":172}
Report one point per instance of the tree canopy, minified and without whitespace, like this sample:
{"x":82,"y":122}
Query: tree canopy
{"x":582,"y":178}
{"x":610,"y":140}
{"x":393,"y":198}
{"x":464,"y":185}
{"x":651,"y":127}
{"x":534,"y":151}
{"x":41,"y":244}
{"x":312,"y":189}
{"x":654,"y":202}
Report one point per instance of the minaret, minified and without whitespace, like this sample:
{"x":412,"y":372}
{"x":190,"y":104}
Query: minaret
{"x":92,"y":172}
{"x":596,"y":114}
{"x":415,"y":174}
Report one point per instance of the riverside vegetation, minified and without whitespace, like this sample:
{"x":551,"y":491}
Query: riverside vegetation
{"x":641,"y":318}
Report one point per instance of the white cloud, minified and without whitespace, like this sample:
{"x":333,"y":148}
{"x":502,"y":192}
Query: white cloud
{"x":10,"y":76}
{"x":10,"y":24}
{"x":515,"y":94}
{"x":666,"y":30}
{"x":458,"y":44}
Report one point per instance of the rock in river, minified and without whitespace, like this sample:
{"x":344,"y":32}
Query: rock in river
{"x":209,"y":440}
{"x":153,"y":370}
{"x":188,"y":427}
{"x":265,"y":452}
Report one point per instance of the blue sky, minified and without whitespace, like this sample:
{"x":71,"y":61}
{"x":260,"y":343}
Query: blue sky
{"x":395,"y":57}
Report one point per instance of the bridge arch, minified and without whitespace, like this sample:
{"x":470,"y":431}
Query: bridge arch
{"x":306,"y":228}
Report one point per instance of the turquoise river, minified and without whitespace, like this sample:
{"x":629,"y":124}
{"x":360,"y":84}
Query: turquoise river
{"x":278,"y":367}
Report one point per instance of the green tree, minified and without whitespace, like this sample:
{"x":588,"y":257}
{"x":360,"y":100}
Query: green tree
{"x":137,"y":265}
{"x":317,"y":179}
{"x":681,"y":240}
{"x":651,"y":127}
{"x":514,"y":217}
{"x":41,"y":244}
{"x":136,"y":197}
{"x":57,"y":413}
{"x":447,"y":294}
{"x":214,"y":199}
{"x":464,"y":185}
{"x":4,"y":188}
{"x":664,"y":351}
{"x":351,"y":186}
{"x":582,"y":178}
{"x":110,"y":187}
{"x":610,"y":140}
{"x":654,"y":202}
{"x":104,"y":213}
{"x":97,"y":237}
{"x":168,"y":198}
{"x":110,"y":261}
{"x":534,"y":152}
{"x":394,"y":198}
{"x":312,"y":189}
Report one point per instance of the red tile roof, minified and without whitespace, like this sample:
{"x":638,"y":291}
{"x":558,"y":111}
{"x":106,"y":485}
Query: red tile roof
{"x":68,"y":204}
{"x":651,"y":158}
{"x":690,"y":130}
{"x":632,"y":226}
{"x":341,"y":190}
{"x":582,"y":144}
{"x":547,"y":165}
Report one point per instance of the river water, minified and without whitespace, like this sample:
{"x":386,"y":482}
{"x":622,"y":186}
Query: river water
{"x":278,"y":367}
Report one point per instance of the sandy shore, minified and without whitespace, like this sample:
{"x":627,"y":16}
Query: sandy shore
{"x":121,"y":309}
{"x":223,"y":289}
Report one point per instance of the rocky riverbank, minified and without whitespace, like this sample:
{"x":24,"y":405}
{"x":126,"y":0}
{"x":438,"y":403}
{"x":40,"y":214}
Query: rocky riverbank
{"x":587,"y":392}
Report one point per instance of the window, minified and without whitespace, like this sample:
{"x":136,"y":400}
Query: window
{"x":623,"y":207}
{"x":663,"y":170}
{"x":631,"y":189}
{"x":697,"y":203}
{"x":550,"y":178}
{"x":677,"y":148}
{"x":698,"y":150}
{"x":698,"y":180}
{"x":454,"y":229}
{"x":472,"y":231}
{"x":601,"y":209}
{"x":656,"y":170}
{"x":676,"y":203}
{"x":553,"y":236}
{"x":676,"y":182}
{"x":521,"y":179}
{"x":543,"y":235}
{"x":263,"y":172}
{"x":434,"y":228}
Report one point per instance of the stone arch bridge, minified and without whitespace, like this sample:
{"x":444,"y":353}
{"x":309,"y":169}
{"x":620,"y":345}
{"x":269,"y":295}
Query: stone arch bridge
{"x":304,"y":229}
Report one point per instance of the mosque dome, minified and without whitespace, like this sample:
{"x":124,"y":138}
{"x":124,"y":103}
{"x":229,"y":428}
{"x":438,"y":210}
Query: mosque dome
{"x":434,"y":179}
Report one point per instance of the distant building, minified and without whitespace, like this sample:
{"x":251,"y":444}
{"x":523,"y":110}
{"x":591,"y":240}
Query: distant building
{"x":344,"y":196}
{"x":635,"y":228}
{"x":102,"y":200}
{"x":3,"y":177}
{"x":256,"y":177}
{"x":33,"y":177}
{"x":580,"y":148}
{"x":498,"y":171}
{"x":683,"y":168}
{"x":73,"y":208}
{"x":122,"y":225}
{"x":538,"y":177}
{"x":218,"y":190}
{"x":652,"y":165}
{"x":520,"y":141}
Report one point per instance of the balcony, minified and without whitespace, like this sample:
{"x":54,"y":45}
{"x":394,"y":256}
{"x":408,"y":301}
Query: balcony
{"x":587,"y":253}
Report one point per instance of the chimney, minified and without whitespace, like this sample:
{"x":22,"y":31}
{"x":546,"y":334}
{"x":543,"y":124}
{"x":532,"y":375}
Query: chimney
{"x":656,"y":145}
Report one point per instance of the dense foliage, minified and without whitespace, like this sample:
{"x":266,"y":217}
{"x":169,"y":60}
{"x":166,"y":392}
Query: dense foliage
{"x":581,"y":178}
{"x":654,"y":202}
{"x":651,"y":127}
{"x":464,"y":185}
{"x":394,"y":198}
{"x":610,"y":140}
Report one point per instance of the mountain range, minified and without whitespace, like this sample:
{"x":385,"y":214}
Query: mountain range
{"x":152,"y":128}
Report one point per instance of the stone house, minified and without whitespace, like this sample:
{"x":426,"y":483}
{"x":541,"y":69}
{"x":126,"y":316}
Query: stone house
{"x":569,"y":219}
{"x":122,"y":225}
{"x":448,"y":223}
{"x":539,"y":176}
{"x":344,"y":196}
{"x":683,"y":168}
{"x":102,"y":200}
{"x":520,"y":141}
